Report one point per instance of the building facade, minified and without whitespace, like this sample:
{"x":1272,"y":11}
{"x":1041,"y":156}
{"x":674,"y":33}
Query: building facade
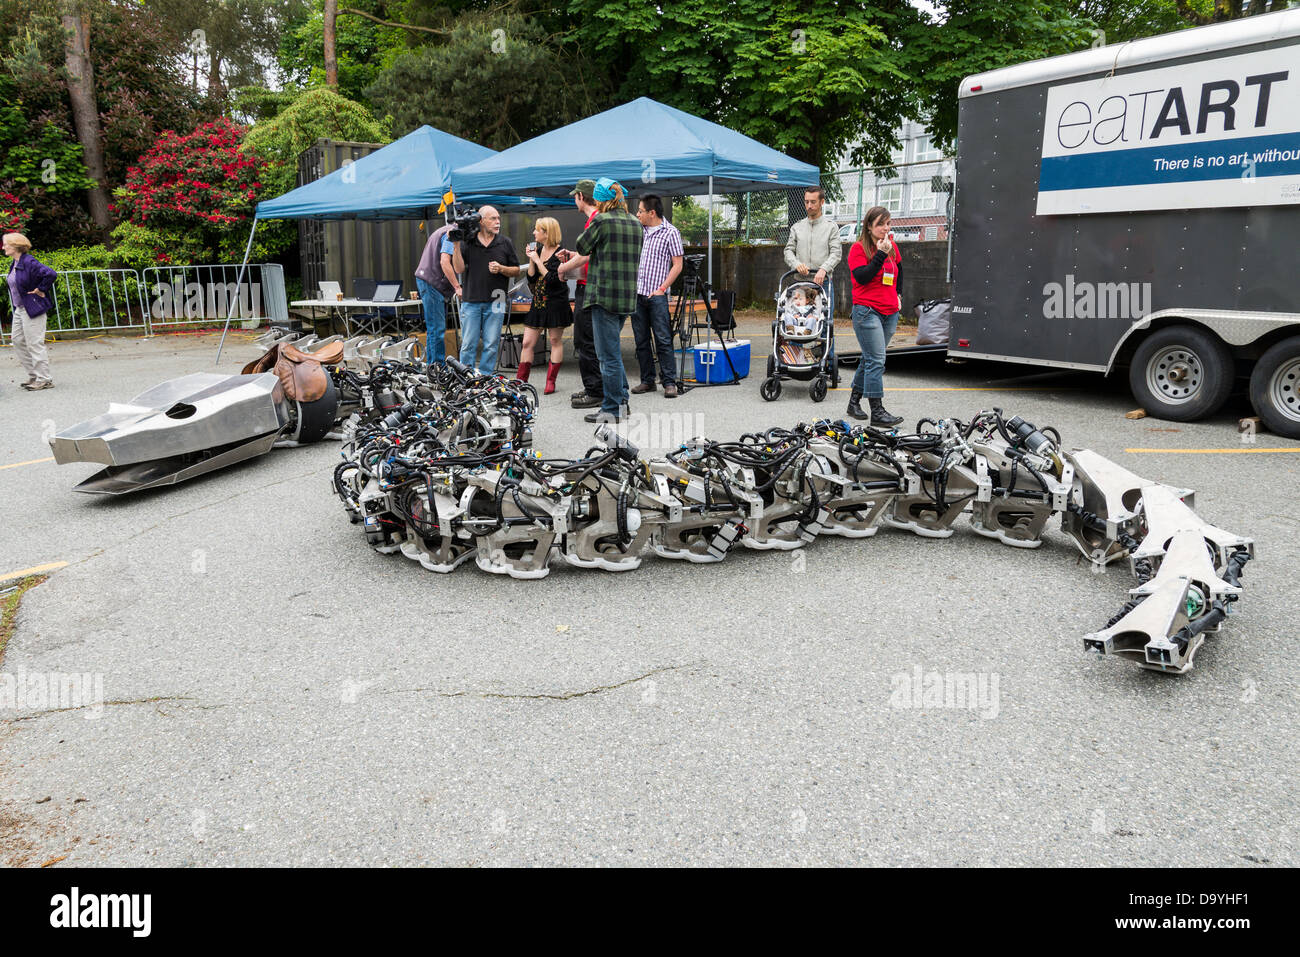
{"x":916,"y":195}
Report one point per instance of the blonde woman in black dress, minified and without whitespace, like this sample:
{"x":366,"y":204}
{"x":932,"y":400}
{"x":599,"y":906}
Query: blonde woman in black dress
{"x":551,"y":310}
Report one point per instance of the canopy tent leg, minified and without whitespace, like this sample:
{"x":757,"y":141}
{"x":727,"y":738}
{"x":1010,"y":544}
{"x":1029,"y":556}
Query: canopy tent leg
{"x":709,"y":260}
{"x":239,"y":283}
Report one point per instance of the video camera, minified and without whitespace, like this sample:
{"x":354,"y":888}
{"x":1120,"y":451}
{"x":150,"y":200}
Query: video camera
{"x":691,"y":265}
{"x":464,"y":222}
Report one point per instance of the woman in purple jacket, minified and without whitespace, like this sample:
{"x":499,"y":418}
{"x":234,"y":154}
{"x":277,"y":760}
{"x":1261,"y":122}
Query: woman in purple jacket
{"x":30,"y":282}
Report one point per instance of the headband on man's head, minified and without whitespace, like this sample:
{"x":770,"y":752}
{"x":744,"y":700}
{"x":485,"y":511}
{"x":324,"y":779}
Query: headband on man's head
{"x":604,"y":190}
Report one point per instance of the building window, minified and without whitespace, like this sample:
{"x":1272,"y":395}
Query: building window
{"x":923,"y":198}
{"x":925,"y":150}
{"x":931,"y":232}
{"x":891,"y":197}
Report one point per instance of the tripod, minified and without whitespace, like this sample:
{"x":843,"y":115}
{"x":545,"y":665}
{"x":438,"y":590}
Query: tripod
{"x":685,"y":320}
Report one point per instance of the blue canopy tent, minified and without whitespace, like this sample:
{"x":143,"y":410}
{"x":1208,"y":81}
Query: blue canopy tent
{"x":639,"y":142}
{"x":642,"y":142}
{"x":404,"y":180}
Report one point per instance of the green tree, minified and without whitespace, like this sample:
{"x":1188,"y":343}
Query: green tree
{"x":138,"y":89}
{"x":494,"y":80}
{"x":311,"y":115}
{"x":227,"y":43}
{"x":1201,"y":12}
{"x":973,"y":36}
{"x":37,"y":160}
{"x":279,"y":141}
{"x":692,"y":220}
{"x":1121,"y":20}
{"x":364,"y":48}
{"x":811,"y":79}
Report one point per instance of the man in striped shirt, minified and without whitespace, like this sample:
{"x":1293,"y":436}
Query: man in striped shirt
{"x":661,"y":262}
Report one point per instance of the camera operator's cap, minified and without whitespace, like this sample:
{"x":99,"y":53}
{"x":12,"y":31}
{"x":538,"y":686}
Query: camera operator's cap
{"x":604,"y":190}
{"x":585,"y":188}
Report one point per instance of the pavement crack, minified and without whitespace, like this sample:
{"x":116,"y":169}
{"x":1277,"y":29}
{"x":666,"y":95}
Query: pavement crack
{"x":544,"y":696}
{"x":156,"y":701}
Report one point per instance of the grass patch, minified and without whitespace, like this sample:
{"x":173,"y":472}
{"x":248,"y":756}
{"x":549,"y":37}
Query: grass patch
{"x":11,"y":594}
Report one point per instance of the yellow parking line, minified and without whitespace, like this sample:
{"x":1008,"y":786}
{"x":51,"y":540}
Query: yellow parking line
{"x":34,"y":570}
{"x":16,"y":465}
{"x":1212,"y":451}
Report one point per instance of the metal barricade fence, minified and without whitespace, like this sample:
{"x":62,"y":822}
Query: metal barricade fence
{"x":97,"y":299}
{"x":203,"y":294}
{"x":102,"y":300}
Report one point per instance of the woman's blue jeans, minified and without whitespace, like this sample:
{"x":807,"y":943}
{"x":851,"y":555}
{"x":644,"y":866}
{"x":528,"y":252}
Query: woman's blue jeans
{"x":874,"y":332}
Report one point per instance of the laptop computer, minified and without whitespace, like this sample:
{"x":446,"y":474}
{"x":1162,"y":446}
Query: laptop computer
{"x":387,"y":292}
{"x":329,"y":290}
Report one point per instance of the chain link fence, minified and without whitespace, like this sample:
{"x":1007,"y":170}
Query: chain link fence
{"x":918,"y":196}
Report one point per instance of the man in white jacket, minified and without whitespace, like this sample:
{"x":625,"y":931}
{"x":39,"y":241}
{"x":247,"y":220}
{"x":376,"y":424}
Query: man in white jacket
{"x":814,"y":247}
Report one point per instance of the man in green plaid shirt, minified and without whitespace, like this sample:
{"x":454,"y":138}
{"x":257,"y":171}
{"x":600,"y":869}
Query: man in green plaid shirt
{"x":612,"y":247}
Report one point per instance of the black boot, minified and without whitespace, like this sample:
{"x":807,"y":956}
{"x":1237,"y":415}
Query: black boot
{"x":855,"y":406}
{"x":879,"y":416}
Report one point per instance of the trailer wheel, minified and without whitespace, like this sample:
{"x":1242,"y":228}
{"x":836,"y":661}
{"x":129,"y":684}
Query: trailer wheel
{"x":1275,"y":388}
{"x":1181,"y":373}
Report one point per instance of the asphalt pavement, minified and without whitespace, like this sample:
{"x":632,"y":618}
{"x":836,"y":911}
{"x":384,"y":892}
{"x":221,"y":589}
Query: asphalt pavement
{"x":274,"y":692}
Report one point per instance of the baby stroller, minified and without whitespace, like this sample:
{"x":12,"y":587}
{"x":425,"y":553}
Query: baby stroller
{"x":801,"y":340}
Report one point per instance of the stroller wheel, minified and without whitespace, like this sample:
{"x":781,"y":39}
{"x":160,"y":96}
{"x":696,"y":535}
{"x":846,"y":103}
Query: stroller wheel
{"x":770,"y":389}
{"x":771,"y":366}
{"x":818,"y":389}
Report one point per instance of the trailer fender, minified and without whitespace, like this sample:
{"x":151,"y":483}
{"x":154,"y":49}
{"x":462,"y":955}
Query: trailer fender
{"x":1237,"y":329}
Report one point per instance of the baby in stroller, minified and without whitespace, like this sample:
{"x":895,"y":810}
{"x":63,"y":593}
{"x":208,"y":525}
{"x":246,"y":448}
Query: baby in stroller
{"x":801,"y":340}
{"x":801,"y":314}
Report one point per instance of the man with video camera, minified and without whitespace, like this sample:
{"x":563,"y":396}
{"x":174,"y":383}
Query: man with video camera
{"x":486,"y":262}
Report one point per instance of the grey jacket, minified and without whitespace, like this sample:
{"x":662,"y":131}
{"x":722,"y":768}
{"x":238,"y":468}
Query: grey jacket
{"x":815,"y":244}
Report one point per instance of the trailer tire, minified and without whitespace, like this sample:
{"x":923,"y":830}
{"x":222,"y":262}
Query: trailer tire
{"x":1275,"y":388}
{"x":1181,"y":373}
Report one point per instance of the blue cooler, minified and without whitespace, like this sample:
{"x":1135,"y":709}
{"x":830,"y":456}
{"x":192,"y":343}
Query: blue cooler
{"x":710,"y":365}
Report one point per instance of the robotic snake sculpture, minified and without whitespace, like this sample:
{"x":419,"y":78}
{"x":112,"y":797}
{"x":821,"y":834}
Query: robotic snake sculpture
{"x":449,"y":473}
{"x":438,"y":464}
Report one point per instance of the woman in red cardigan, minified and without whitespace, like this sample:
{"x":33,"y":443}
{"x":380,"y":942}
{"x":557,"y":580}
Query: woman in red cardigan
{"x":876,"y":269}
